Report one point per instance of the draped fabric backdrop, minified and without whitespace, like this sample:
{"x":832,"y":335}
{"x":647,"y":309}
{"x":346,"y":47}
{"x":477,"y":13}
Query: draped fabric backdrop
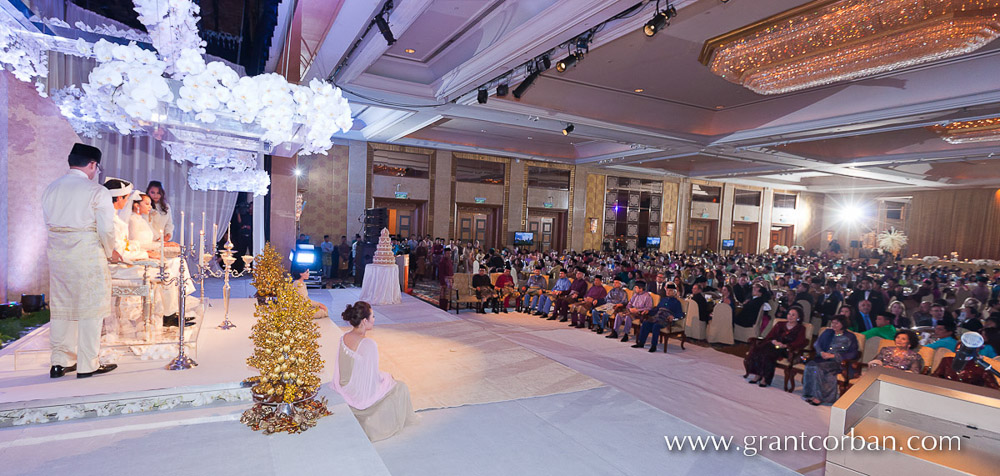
{"x":966,"y":221}
{"x":140,"y":159}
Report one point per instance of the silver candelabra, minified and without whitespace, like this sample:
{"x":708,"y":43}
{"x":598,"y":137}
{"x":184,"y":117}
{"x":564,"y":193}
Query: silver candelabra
{"x":205,"y":270}
{"x":182,"y":361}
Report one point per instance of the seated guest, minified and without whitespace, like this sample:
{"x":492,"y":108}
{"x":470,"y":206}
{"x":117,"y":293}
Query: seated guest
{"x":897,"y":311}
{"x":903,"y":355}
{"x":834,"y":345}
{"x":299,"y":283}
{"x":663,"y":315}
{"x":380,"y":403}
{"x":802,"y":294}
{"x":561,"y":287}
{"x":937,"y":315}
{"x":968,"y":317}
{"x":594,"y":297}
{"x":972,"y":374}
{"x":748,"y":316}
{"x":728,"y":296}
{"x":863,"y":320}
{"x":505,"y":289}
{"x":884,"y":327}
{"x":659,"y":286}
{"x":828,"y":301}
{"x":614,"y":303}
{"x":637,"y":308}
{"x":743,"y":289}
{"x":704,"y":310}
{"x":483,"y":285}
{"x":991,"y":342}
{"x":532,"y":290}
{"x":783,"y":339}
{"x":944,"y":335}
{"x":923,"y":313}
{"x":576,"y":292}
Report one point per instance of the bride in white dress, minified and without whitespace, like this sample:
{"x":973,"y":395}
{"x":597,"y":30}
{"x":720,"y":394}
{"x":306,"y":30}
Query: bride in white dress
{"x":141,"y":233}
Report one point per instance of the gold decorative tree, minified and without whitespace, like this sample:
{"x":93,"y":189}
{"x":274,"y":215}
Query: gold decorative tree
{"x":268,"y":273}
{"x":286,"y":352}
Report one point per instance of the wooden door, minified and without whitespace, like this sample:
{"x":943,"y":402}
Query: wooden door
{"x":465,"y":229}
{"x":775,"y":238}
{"x":480,"y":231}
{"x":698,"y":235}
{"x":745,"y":237}
{"x":782,"y":235}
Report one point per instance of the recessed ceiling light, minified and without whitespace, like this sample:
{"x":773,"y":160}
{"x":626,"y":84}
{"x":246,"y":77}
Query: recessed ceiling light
{"x":410,"y":50}
{"x":529,"y":137}
{"x":719,"y":107}
{"x":638,"y":90}
{"x":482,"y":130}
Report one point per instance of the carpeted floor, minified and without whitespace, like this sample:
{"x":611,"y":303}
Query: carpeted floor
{"x":448,"y":364}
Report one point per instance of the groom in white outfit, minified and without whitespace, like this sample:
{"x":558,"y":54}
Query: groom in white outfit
{"x":80,"y":219}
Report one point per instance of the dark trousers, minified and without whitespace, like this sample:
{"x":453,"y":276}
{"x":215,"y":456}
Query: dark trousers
{"x":562,"y":305}
{"x":645,"y":329}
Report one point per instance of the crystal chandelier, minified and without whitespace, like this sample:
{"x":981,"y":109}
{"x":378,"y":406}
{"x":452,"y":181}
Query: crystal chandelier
{"x":969,"y":132}
{"x":836,"y":40}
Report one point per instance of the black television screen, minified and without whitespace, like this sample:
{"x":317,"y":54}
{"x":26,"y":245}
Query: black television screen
{"x":524,"y":238}
{"x":728,"y":244}
{"x":652,"y":241}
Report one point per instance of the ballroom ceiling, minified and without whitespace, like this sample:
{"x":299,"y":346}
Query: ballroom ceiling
{"x":642,"y":103}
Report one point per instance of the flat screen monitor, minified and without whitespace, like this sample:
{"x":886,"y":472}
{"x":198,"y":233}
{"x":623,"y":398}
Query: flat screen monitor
{"x":652,"y":242}
{"x":728,"y":244}
{"x":524,"y":238}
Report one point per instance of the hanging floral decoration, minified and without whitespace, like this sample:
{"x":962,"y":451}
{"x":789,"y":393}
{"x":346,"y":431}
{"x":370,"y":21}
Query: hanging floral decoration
{"x":129,"y":84}
{"x":25,"y":57}
{"x":203,"y":156}
{"x":230,"y":180}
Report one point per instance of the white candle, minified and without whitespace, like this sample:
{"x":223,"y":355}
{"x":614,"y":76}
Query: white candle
{"x":202,"y":220}
{"x":215,"y":236}
{"x":162,"y":249}
{"x":182,"y":229}
{"x":201,"y":244}
{"x":191,"y":241}
{"x":229,"y":234}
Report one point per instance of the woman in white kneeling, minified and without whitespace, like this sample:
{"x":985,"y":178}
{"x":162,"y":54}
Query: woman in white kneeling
{"x":142,"y":235}
{"x":381,"y":404}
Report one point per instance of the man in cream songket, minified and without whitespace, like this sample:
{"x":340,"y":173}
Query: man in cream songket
{"x":80,"y":219}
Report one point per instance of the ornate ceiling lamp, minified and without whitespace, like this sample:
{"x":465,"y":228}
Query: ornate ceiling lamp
{"x":969,"y":132}
{"x":836,"y":40}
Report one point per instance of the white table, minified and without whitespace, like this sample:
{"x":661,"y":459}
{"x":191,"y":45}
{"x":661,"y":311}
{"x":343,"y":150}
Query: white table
{"x":381,"y":284}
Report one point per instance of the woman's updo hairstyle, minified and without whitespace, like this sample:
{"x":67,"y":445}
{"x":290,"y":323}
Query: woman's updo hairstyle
{"x":357,"y":312}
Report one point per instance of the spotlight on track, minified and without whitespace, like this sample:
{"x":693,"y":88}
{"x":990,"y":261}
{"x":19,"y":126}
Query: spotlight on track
{"x":659,"y":20}
{"x":482,"y":96}
{"x":521,"y":88}
{"x":383,"y":27}
{"x":502,"y":90}
{"x":568,"y":129}
{"x":570,"y":60}
{"x":851,"y":213}
{"x":543,"y":63}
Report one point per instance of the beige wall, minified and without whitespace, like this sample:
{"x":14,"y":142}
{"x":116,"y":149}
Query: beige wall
{"x":468,"y":192}
{"x":36,"y":141}
{"x":384,"y":186}
{"x":324,"y":187}
{"x":671,"y":189}
{"x":515,"y":212}
{"x":746,"y":213}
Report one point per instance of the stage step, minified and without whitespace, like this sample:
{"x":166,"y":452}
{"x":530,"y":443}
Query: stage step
{"x":110,"y":404}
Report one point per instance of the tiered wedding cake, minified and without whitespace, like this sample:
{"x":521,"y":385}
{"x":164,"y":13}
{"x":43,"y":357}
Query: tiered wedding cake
{"x":383,"y":252}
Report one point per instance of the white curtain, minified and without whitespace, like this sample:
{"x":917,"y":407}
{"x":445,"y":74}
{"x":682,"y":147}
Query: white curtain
{"x":142,"y":159}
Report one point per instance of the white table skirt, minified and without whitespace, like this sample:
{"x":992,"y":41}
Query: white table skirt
{"x":381,"y":285}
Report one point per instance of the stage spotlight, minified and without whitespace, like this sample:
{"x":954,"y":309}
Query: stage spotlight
{"x":482,"y":96}
{"x":569,"y":128}
{"x":502,"y":90}
{"x":297,"y":172}
{"x":521,"y":88}
{"x":543,"y":64}
{"x":567,"y":62}
{"x":659,"y":21}
{"x":383,"y":26}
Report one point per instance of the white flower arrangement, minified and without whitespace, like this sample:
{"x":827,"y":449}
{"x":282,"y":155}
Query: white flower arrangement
{"x":172,"y":27}
{"x":892,"y":240}
{"x":930,"y":260}
{"x":207,"y":156}
{"x":26,"y":57}
{"x":780,"y":249}
{"x":255,"y":181}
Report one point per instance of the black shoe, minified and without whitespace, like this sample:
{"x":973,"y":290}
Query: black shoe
{"x":58,"y":370}
{"x":503,"y":310}
{"x":754,"y":381}
{"x":625,"y":339}
{"x":552,"y":317}
{"x":580,"y":326}
{"x":599,"y":331}
{"x":637,"y":346}
{"x":763,"y":384}
{"x":612,"y":335}
{"x":570,"y":324}
{"x":563,"y":319}
{"x":652,"y":349}
{"x":100,"y":370}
